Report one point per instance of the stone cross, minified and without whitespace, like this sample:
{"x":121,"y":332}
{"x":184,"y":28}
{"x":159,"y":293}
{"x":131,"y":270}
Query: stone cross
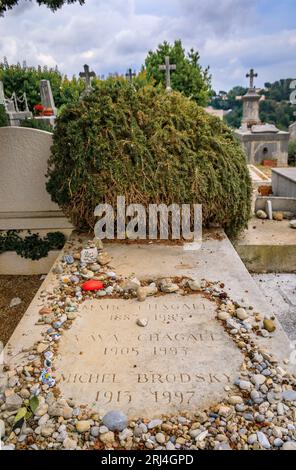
{"x":87,"y":76}
{"x":46,"y":95}
{"x":167,"y":67}
{"x":130,"y":74}
{"x":251,"y":76}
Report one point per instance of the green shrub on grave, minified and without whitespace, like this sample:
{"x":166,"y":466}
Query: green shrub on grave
{"x":31,"y":246}
{"x":151,"y":147}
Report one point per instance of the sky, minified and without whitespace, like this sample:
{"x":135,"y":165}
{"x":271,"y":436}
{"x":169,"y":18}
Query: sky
{"x":231,"y":36}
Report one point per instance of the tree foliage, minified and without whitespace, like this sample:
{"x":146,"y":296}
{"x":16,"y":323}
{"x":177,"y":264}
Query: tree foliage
{"x":54,"y":5}
{"x":189,"y":77}
{"x":151,"y":147}
{"x":23,"y":79}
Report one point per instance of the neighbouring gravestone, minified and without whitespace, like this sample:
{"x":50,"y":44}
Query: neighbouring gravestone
{"x":130,"y":75}
{"x":11,"y":106}
{"x":167,"y":67}
{"x":260,"y":141}
{"x":24,"y":201}
{"x":47,"y":100}
{"x":87,"y":77}
{"x":181,"y":360}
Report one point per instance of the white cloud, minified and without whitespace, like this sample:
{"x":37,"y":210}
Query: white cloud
{"x":116,"y":34}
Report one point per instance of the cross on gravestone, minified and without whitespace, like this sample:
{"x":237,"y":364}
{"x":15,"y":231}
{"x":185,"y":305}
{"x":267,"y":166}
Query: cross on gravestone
{"x":46,"y":95}
{"x":130,"y":75}
{"x":168,"y":67}
{"x":251,"y":76}
{"x":87,"y":76}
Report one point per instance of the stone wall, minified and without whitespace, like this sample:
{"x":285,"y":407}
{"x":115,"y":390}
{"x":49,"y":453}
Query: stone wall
{"x":24,"y":201}
{"x":264,"y":146}
{"x":23,"y":164}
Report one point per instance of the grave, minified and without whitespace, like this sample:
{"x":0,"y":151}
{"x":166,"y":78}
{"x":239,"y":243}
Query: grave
{"x":284,"y":182}
{"x":167,"y":67}
{"x":260,"y":141}
{"x":48,"y":103}
{"x":87,"y":77}
{"x":181,"y":361}
{"x":11,"y":106}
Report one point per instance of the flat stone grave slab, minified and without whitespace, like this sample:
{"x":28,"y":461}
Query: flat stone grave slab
{"x":181,"y":360}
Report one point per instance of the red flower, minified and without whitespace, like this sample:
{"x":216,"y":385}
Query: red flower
{"x":39,"y":107}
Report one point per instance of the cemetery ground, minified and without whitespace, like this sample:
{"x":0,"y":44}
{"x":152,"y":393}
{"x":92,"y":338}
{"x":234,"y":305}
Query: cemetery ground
{"x":16,"y":294}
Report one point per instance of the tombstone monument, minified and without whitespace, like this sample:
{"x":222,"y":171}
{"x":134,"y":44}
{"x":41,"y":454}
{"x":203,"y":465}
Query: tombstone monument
{"x":47,"y":100}
{"x":87,"y":76}
{"x":260,"y":141}
{"x":11,"y":107}
{"x":167,"y":67}
{"x":130,"y":75}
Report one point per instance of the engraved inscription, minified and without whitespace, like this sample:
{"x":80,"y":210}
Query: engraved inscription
{"x":181,"y":360}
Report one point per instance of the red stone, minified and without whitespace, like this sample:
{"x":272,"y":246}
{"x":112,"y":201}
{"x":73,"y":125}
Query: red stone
{"x":92,"y":285}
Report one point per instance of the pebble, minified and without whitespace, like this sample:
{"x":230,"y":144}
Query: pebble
{"x":15,"y":302}
{"x":223,"y":315}
{"x":263,"y":440}
{"x":169,"y":288}
{"x":194,"y":284}
{"x":13,"y":402}
{"x":115,"y":420}
{"x":103,"y":429}
{"x":289,"y":395}
{"x":104,"y":258}
{"x":201,"y":436}
{"x":69,"y":444}
{"x":140,"y":429}
{"x":2,"y":428}
{"x":68,"y":259}
{"x":142,"y":322}
{"x":290,"y":445}
{"x":170,"y":446}
{"x":258,"y":379}
{"x":107,"y":438}
{"x":83,"y":426}
{"x":269,"y":325}
{"x":241,"y":314}
{"x":41,"y":410}
{"x":235,"y":400}
{"x":154,"y":423}
{"x":131,"y":285}
{"x":125,"y":434}
{"x":95,"y":431}
{"x":46,"y":430}
{"x":278,"y":442}
{"x":292,"y":224}
{"x":261,"y":214}
{"x":244,"y":385}
{"x":160,"y":438}
{"x":252,"y":439}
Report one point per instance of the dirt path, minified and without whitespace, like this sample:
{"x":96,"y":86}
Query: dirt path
{"x":24,"y":287}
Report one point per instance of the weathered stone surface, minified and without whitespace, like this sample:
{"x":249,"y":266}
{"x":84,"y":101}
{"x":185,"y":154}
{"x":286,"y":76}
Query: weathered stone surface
{"x":172,"y":364}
